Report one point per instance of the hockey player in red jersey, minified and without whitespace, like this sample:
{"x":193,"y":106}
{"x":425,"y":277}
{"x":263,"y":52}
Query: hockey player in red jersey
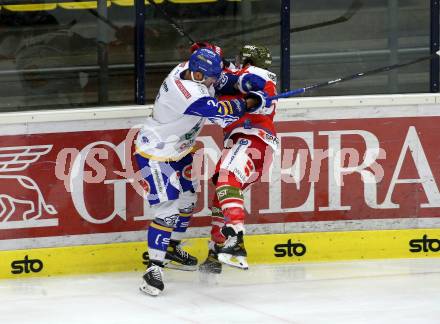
{"x":249,"y":146}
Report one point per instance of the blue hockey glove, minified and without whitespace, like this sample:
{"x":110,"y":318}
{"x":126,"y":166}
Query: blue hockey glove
{"x":261,"y":98}
{"x":235,"y":107}
{"x":250,"y":82}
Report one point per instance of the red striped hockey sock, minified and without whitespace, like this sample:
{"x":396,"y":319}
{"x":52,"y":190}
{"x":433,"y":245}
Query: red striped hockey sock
{"x":217,"y":222}
{"x":230,"y":198}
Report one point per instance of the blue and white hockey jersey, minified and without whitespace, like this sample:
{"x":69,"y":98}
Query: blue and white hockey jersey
{"x":179,"y":113}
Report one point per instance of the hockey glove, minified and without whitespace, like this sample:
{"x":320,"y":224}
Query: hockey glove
{"x":261,"y":100}
{"x":250,"y":82}
{"x":228,"y":112}
{"x":234,"y":108}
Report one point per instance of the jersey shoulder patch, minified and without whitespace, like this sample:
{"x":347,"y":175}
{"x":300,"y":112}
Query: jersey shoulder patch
{"x":265,"y":74}
{"x":191,"y":90}
{"x":182,"y":88}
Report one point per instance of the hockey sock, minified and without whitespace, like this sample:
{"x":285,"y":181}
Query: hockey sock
{"x":158,"y":238}
{"x":217,"y":222}
{"x":230,"y":198}
{"x":182,"y":224}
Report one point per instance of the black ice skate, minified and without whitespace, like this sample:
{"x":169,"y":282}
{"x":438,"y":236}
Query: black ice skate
{"x":152,"y":283}
{"x":176,"y":258}
{"x":233,"y":252}
{"x":212,"y":264}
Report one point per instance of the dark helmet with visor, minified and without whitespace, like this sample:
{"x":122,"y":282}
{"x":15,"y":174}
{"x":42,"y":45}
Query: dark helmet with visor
{"x":255,"y":55}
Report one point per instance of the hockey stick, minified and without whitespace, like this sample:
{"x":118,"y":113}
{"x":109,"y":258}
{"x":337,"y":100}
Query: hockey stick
{"x":298,"y":91}
{"x":351,"y":11}
{"x":172,"y":22}
{"x":103,"y":19}
{"x":355,"y":6}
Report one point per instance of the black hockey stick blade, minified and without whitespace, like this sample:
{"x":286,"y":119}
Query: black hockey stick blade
{"x":354,"y":8}
{"x":351,"y":11}
{"x":387,"y":68}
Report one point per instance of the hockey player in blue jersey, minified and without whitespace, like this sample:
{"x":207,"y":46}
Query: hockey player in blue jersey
{"x":164,"y":148}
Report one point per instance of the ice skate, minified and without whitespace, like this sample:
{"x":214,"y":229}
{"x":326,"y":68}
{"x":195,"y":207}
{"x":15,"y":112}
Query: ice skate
{"x":233,"y":252}
{"x":152,"y":283}
{"x":178,"y":259}
{"x":212,"y":264}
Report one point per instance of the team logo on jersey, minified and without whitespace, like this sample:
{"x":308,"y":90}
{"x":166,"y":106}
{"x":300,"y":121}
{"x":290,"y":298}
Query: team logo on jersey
{"x":223,"y":80}
{"x":22,"y":203}
{"x":186,"y":172}
{"x":244,"y":141}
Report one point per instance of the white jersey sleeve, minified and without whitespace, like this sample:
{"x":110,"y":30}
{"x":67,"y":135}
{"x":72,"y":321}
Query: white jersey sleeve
{"x":170,"y":133}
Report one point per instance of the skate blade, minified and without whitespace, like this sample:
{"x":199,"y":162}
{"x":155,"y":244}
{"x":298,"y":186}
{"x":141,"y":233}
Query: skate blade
{"x":233,"y":261}
{"x":149,"y":290}
{"x":210,"y":269}
{"x":178,"y":266}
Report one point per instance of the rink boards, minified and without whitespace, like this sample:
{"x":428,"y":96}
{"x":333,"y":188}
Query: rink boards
{"x":262,"y":249}
{"x":354,"y":178}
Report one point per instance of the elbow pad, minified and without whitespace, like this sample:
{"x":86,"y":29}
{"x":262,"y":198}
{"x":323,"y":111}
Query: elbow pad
{"x":250,"y":82}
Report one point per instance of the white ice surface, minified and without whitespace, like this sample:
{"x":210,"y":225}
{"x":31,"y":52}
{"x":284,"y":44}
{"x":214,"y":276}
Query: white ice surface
{"x":391,"y":292}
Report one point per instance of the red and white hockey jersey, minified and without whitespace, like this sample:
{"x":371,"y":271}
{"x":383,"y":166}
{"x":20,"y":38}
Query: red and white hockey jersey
{"x":260,"y":122}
